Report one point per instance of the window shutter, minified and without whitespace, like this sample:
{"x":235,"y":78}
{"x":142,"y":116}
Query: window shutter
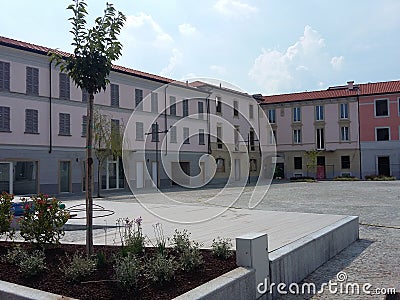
{"x":84,"y":125}
{"x":35,"y":78}
{"x":4,"y":118}
{"x":4,"y":76}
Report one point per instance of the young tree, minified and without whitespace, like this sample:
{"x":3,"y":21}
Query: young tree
{"x":89,"y":67}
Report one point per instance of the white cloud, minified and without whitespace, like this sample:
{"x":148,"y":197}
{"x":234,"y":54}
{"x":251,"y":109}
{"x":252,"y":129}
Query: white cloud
{"x":337,"y":62}
{"x":302,"y":63}
{"x":142,"y":20}
{"x":235,"y":8}
{"x":174,"y":61}
{"x":187,"y":29}
{"x":220,"y":70}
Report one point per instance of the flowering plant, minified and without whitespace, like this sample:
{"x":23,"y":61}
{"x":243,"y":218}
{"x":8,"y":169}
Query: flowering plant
{"x":6,"y":215}
{"x":43,"y":220}
{"x":131,"y":235}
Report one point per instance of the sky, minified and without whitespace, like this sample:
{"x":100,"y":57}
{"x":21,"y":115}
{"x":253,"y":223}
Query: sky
{"x":261,"y":46}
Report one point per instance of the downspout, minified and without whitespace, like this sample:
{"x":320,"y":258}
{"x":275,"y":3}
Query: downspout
{"x":208,"y":124}
{"x":50,"y":113}
{"x":359,"y":130}
{"x":165,"y":119}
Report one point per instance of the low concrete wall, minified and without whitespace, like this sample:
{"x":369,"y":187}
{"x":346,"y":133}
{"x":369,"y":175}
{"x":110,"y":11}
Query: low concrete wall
{"x":12,"y":291}
{"x":237,"y":284}
{"x":292,"y":263}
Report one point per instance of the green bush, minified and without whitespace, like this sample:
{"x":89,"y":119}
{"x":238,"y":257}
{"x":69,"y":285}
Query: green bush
{"x":380,"y":178}
{"x":6,"y":215}
{"x":127,"y":271}
{"x":221,"y":248}
{"x":14,"y":255}
{"x":346,"y":178}
{"x":43,"y":220}
{"x":78,"y":267}
{"x":131,"y":235}
{"x":32,"y":263}
{"x":180,"y":241}
{"x":191,"y":258}
{"x":161,"y":269}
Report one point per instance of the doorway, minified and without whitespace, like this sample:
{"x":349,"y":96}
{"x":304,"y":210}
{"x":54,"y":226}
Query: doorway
{"x":6,"y":184}
{"x":321,"y":167}
{"x":139,"y":175}
{"x":384,"y":165}
{"x":65,"y":177}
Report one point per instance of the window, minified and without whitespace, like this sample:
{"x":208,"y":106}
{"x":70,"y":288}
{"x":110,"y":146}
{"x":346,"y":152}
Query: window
{"x":114,"y":95}
{"x":235,"y":108}
{"x":139,"y":131}
{"x":115,"y":128}
{"x":172,"y":131}
{"x":344,"y":110}
{"x":32,"y":81}
{"x":297,"y":136}
{"x":220,"y":165}
{"x":344,"y":134}
{"x":219,"y":105}
{"x":154,"y":102}
{"x":85,"y":96}
{"x":253,"y":165}
{"x":345,"y":161}
{"x":381,"y":108}
{"x":138,"y":99}
{"x":200,"y":109}
{"x":185,"y":107}
{"x":172,"y":106}
{"x":219,"y":137}
{"x":64,"y":124}
{"x":298,"y":163}
{"x":272,"y":116}
{"x":4,"y":118}
{"x":186,"y":135}
{"x":252,"y":140}
{"x":296,"y":114}
{"x":320,"y":139}
{"x":251,"y":111}
{"x":319,"y":113}
{"x":64,"y":86}
{"x":382,"y":134}
{"x":31,"y":121}
{"x":201,"y":137}
{"x":236,"y":137}
{"x":84,"y":126}
{"x":154,"y":132}
{"x":4,"y":76}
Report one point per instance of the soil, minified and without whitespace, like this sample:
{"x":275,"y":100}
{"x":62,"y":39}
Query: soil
{"x":101,"y":284}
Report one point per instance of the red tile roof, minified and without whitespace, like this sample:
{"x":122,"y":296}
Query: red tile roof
{"x":44,"y":50}
{"x":363,"y":89}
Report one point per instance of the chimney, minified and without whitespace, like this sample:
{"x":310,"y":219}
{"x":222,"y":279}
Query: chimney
{"x":350,"y":85}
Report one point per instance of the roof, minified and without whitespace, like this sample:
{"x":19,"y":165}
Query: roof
{"x":4,"y":41}
{"x":201,"y":84}
{"x":363,"y":89}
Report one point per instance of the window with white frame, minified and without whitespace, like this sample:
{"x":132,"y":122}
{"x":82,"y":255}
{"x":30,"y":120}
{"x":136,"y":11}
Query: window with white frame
{"x":31,"y":121}
{"x":297,"y":114}
{"x":296,"y":136}
{"x":154,"y":132}
{"x":251,"y":111}
{"x":172,"y":134}
{"x":201,"y":137}
{"x":219,"y":137}
{"x":319,"y":113}
{"x":64,"y":86}
{"x":114,"y":95}
{"x":4,"y":118}
{"x":185,"y":107}
{"x":235,"y":108}
{"x":200,"y":109}
{"x":272,"y":116}
{"x":139,"y":99}
{"x":382,"y":133}
{"x":64,"y":123}
{"x":154,"y":102}
{"x":381,"y":108}
{"x":344,"y":110}
{"x":4,"y":76}
{"x":139,"y":131}
{"x":344,"y":134}
{"x":186,"y":139}
{"x":320,"y":139}
{"x":172,"y":106}
{"x":32,"y":81}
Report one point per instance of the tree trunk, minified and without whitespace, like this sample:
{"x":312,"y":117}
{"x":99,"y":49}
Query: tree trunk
{"x":89,"y":178}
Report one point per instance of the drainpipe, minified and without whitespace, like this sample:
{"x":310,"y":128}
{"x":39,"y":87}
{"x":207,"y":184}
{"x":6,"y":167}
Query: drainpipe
{"x":208,"y":124}
{"x":50,"y":113}
{"x":165,"y":119}
{"x":359,"y":129}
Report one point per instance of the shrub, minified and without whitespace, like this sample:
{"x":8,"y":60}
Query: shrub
{"x":127,"y":271}
{"x":380,"y":178}
{"x":191,"y":258}
{"x":180,"y":241}
{"x":43,"y":220}
{"x":14,"y":255}
{"x":131,"y":235}
{"x":221,"y":248}
{"x":101,"y":259}
{"x":6,"y":215}
{"x":302,"y":179}
{"x":161,"y":269}
{"x":78,"y":267}
{"x":346,"y":178}
{"x":33,"y":263}
{"x":161,"y":242}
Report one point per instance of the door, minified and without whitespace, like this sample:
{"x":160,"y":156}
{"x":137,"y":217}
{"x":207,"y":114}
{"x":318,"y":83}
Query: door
{"x":154,"y":173}
{"x":6,"y":170}
{"x":65,"y":176}
{"x":320,"y":167}
{"x":112,"y":175}
{"x":139,"y":175}
{"x":384,"y":165}
{"x":237,"y":169}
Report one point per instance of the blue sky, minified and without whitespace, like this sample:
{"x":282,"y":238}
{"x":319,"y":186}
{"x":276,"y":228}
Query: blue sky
{"x":261,"y":46}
